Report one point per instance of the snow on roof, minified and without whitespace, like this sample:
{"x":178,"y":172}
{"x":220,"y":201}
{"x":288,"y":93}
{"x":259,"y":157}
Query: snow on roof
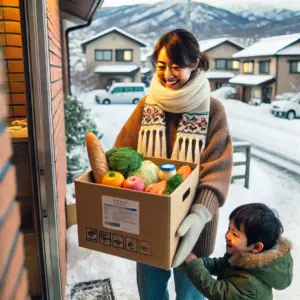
{"x":219,"y":75}
{"x":116,"y":69}
{"x":206,"y":45}
{"x":111,"y":29}
{"x":246,"y":79}
{"x":145,"y":70}
{"x":268,"y":46}
{"x":291,"y":50}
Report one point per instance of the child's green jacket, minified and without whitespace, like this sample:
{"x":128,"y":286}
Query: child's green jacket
{"x":244,"y":276}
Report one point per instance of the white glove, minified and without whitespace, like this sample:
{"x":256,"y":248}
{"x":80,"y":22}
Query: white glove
{"x":190,"y":229}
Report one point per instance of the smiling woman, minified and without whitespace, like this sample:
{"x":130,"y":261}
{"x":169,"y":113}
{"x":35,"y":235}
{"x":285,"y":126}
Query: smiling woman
{"x":179,"y":120}
{"x":177,"y":59}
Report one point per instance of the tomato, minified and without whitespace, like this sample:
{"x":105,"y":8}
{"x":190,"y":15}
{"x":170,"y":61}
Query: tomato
{"x":112,"y":178}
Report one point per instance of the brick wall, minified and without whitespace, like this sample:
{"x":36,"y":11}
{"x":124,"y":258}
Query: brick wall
{"x":13,"y":280}
{"x":10,"y":35}
{"x":57,"y":98}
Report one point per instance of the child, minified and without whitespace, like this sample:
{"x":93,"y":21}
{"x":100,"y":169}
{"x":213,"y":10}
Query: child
{"x":257,"y":258}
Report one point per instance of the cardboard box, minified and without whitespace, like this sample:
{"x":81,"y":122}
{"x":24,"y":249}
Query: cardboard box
{"x":135,"y":225}
{"x":71,"y":215}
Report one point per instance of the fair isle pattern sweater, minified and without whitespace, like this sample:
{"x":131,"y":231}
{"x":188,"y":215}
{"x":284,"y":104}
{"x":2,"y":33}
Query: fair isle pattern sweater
{"x":215,"y":166}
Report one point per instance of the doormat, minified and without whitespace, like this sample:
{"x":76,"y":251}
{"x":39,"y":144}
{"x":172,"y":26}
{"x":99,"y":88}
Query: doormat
{"x":93,"y":290}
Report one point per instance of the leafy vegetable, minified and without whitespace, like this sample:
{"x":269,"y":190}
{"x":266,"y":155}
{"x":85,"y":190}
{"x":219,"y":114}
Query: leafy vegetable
{"x":123,"y":160}
{"x":148,"y":171}
{"x":173,"y":183}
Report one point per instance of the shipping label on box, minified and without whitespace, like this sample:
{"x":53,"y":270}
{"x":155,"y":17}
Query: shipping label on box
{"x":121,"y":214}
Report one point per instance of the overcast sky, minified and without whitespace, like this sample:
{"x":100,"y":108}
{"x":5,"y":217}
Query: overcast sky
{"x":221,"y":3}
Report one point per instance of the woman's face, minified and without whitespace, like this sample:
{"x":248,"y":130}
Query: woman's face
{"x":171,"y":75}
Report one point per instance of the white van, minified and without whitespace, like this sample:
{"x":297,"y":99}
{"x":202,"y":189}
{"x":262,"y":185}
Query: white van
{"x":129,"y":93}
{"x":289,"y":109}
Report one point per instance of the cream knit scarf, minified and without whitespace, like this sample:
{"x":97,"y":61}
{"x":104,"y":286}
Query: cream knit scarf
{"x":193,"y":100}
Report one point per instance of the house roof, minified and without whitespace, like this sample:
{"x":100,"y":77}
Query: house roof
{"x":268,"y":46}
{"x":291,"y":50}
{"x":145,"y":70}
{"x":82,"y":10}
{"x":110,"y":30}
{"x":116,"y":69}
{"x":206,"y":45}
{"x":219,"y":75}
{"x":246,"y":79}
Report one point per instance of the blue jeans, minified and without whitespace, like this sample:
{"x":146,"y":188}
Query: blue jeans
{"x":153,"y":284}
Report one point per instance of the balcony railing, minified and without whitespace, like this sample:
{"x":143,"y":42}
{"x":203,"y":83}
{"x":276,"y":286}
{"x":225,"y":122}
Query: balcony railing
{"x":242,"y":147}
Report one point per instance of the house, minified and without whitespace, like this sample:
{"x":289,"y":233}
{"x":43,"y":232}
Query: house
{"x":268,"y":67}
{"x":222,"y":66}
{"x":113,"y":55}
{"x":34,"y":85}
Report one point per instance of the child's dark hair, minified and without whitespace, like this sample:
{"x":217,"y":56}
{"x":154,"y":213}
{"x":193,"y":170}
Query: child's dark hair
{"x":259,"y":222}
{"x":182,"y":49}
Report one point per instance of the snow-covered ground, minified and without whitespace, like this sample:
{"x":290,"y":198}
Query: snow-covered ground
{"x":257,"y":125}
{"x":273,"y":186}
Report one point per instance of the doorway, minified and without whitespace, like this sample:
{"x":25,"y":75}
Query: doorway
{"x":266,"y":93}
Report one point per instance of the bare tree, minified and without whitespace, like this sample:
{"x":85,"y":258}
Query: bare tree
{"x":295,"y":84}
{"x":83,"y":81}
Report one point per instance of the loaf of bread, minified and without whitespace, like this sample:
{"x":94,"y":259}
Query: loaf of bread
{"x":97,"y":157}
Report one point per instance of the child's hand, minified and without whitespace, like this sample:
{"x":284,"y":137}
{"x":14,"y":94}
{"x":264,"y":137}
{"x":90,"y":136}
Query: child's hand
{"x":190,"y":258}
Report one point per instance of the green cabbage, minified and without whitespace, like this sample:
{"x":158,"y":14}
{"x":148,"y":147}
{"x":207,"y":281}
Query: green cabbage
{"x":148,"y":172}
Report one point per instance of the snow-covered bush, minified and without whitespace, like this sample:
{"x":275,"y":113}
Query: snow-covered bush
{"x":224,"y":92}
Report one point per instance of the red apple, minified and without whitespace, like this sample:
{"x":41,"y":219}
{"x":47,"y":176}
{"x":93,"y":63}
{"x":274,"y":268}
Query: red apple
{"x":134,"y":183}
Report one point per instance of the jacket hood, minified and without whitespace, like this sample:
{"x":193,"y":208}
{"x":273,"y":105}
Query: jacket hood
{"x":274,"y":266}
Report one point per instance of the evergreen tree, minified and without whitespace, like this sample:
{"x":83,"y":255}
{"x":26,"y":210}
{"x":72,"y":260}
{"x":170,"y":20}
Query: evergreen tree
{"x":78,"y":122}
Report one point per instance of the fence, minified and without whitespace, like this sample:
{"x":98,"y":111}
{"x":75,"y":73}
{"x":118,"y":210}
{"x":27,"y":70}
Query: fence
{"x":242,"y":147}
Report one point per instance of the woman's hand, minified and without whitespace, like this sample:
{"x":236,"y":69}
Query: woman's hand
{"x":190,"y":258}
{"x":190,"y":230}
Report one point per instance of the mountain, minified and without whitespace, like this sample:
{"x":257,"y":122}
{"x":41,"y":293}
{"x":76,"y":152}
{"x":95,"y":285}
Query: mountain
{"x":149,"y":21}
{"x":254,"y":5}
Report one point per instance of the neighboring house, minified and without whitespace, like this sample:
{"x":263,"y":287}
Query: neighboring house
{"x":268,"y":67}
{"x":222,"y":65}
{"x":33,"y":88}
{"x":114,"y":56}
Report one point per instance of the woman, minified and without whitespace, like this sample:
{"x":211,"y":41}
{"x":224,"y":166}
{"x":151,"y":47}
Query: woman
{"x":179,"y":120}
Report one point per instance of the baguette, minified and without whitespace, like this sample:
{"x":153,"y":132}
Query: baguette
{"x":97,"y":157}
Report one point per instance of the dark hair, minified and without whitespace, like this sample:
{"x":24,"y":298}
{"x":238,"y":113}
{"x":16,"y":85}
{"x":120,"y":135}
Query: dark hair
{"x":259,"y":222}
{"x":182,"y":49}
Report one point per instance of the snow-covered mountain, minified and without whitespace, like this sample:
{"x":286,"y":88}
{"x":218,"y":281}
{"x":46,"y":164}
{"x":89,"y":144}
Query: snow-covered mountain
{"x":207,"y":21}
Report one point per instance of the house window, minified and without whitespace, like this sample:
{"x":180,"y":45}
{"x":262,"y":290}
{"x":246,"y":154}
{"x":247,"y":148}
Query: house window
{"x":264,"y":67}
{"x":248,"y":67}
{"x":123,"y":55}
{"x":221,"y":64}
{"x":235,"y":65}
{"x":295,"y":66}
{"x":103,"y":55}
{"x":227,"y":64}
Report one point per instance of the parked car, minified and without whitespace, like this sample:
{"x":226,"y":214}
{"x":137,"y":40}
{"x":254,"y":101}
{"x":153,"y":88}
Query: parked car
{"x":121,"y":93}
{"x":289,"y":109}
{"x":285,"y":96}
